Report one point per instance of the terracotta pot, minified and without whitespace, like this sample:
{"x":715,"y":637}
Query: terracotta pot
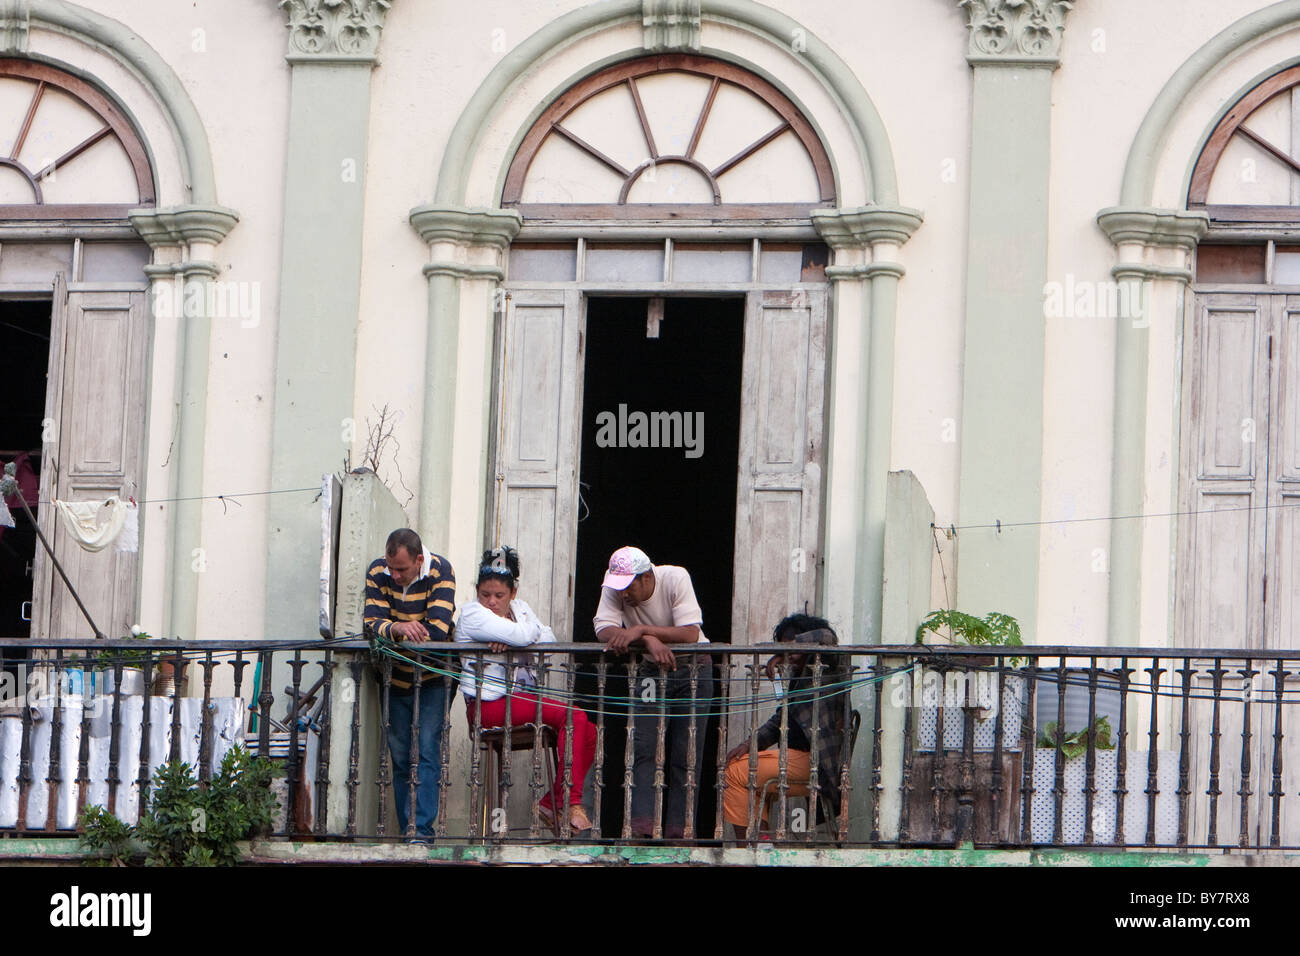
{"x":168,"y":678}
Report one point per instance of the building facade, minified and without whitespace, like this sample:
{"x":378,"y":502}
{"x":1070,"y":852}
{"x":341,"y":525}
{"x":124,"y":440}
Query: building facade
{"x":693,"y":274}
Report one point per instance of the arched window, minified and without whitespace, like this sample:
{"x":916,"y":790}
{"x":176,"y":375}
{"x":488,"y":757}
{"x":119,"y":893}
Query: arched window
{"x":66,"y":151}
{"x":1240,"y":441}
{"x":670,"y":136}
{"x":1249,"y":169}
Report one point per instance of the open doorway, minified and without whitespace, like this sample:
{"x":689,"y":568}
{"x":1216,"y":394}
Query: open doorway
{"x":24,"y":363}
{"x":660,"y":438}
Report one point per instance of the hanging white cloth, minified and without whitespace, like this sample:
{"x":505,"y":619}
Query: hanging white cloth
{"x":129,"y":540}
{"x":85,"y":526}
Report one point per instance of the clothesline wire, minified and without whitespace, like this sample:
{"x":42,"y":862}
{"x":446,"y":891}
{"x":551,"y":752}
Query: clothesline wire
{"x":1000,"y":525}
{"x":995,"y":525}
{"x":222,"y":497}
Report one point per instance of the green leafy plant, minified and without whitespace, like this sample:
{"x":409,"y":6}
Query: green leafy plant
{"x":994,"y":629}
{"x":106,"y":836}
{"x":1075,"y":744}
{"x":189,"y":823}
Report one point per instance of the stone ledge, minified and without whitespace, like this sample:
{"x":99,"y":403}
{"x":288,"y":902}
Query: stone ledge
{"x":64,"y":851}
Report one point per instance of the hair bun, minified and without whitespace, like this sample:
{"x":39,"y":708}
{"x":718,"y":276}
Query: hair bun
{"x":504,"y":560}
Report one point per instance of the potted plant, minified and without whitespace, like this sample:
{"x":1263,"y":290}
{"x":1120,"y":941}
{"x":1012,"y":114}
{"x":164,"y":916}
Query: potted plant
{"x":1073,"y":747}
{"x":993,"y":630}
{"x":131,"y":661}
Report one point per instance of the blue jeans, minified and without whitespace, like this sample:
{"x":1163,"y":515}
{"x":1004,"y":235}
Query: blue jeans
{"x":401,"y":709}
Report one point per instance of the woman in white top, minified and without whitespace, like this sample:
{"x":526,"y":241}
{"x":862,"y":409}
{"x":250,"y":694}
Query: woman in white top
{"x":502,"y":621}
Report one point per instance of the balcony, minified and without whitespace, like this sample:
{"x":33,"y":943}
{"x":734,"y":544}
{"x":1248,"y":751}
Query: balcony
{"x":1036,"y":749}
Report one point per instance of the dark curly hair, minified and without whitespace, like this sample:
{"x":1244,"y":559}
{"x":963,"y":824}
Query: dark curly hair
{"x":499,"y":564}
{"x":790,"y":627}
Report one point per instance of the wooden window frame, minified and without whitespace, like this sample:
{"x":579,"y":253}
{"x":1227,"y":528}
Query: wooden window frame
{"x":115,"y":122}
{"x":1212,"y":153}
{"x":628,"y":73}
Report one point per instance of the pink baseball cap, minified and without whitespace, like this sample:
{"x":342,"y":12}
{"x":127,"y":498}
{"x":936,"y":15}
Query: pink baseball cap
{"x":624,"y":565}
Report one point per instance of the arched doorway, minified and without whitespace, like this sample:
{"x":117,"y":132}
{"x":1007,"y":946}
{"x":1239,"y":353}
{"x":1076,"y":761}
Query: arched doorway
{"x":74,"y":309}
{"x":1241,"y":421}
{"x":670,"y":198}
{"x":1239,"y":530}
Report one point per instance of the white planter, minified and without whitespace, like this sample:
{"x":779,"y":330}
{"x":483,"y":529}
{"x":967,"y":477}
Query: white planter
{"x":132,"y":682}
{"x":1105,"y":806}
{"x":982,"y":693}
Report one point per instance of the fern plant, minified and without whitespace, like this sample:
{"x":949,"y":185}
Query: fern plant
{"x":994,"y":629}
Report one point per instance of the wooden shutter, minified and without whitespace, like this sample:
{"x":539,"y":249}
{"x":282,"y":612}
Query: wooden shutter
{"x":537,"y":454}
{"x":1283,"y":589}
{"x":1225,"y":454}
{"x":778,"y":515}
{"x":97,"y":400}
{"x":1240,"y":572}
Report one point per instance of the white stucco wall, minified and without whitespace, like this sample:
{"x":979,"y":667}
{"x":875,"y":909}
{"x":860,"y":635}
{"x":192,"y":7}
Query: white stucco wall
{"x":229,"y":56}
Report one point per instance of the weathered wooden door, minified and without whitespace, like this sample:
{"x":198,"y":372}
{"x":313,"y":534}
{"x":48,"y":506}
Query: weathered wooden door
{"x":95,"y":418}
{"x":778,"y":513}
{"x":1238,"y":569}
{"x":535,"y":483}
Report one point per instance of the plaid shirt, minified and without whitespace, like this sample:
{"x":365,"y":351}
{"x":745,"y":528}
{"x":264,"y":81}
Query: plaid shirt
{"x":827,"y":699}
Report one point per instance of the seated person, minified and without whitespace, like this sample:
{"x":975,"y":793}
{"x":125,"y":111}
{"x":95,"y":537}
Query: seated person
{"x":499,"y":619}
{"x":799,"y":695}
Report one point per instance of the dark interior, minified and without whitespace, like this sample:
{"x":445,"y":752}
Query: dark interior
{"x":678,"y":509}
{"x":24,"y":360}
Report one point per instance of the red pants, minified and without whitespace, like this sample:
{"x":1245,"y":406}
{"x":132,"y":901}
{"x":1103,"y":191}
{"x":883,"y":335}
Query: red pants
{"x":523,"y":710}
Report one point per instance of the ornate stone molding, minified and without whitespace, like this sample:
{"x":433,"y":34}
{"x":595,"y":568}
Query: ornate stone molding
{"x":15,"y":22}
{"x":1016,"y":32}
{"x":853,"y":228}
{"x":1175,"y":228}
{"x":1154,"y":228}
{"x":466,"y":227}
{"x":335,"y":30}
{"x":181,"y":225}
{"x":670,"y":25}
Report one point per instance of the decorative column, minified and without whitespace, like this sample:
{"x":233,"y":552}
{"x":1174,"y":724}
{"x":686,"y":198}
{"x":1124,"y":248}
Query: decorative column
{"x":861,"y":408}
{"x":1014,"y":48}
{"x":184,"y":241}
{"x":466,"y":249}
{"x":332,"y":50}
{"x":1155,"y":248}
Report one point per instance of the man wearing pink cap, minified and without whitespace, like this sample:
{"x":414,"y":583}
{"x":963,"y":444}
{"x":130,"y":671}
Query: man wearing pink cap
{"x":652,"y":607}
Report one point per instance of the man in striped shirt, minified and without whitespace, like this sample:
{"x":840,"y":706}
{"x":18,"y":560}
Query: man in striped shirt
{"x":410,"y":595}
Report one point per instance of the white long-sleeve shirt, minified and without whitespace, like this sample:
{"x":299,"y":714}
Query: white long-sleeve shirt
{"x":479,"y":625}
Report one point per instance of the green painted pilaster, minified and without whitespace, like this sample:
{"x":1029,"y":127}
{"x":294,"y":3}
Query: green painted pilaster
{"x":874,"y":234}
{"x":332,"y":52}
{"x":193,"y":232}
{"x":466,"y":245}
{"x":1013,"y":52}
{"x":1136,"y":233}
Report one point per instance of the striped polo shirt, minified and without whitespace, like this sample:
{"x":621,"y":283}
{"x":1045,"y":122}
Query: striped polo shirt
{"x":429,"y":599}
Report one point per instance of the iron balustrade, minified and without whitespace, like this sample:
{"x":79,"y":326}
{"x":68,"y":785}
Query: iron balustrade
{"x":1105,"y":748}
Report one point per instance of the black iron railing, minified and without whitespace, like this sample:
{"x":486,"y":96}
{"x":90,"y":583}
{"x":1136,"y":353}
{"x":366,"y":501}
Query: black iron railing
{"x":864,"y":746}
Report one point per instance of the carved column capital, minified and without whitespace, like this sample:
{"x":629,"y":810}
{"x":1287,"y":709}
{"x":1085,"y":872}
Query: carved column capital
{"x":1016,"y":32}
{"x":15,"y":23}
{"x":670,"y":25}
{"x":335,"y":30}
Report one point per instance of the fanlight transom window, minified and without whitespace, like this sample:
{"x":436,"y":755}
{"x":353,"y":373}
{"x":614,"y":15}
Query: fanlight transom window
{"x":66,"y":150}
{"x":670,"y":135}
{"x":1250,"y":166}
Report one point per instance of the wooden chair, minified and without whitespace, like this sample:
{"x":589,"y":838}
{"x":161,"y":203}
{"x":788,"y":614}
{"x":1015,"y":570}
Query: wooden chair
{"x":522,"y":740}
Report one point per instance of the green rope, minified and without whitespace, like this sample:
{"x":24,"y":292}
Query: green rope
{"x":387,"y":648}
